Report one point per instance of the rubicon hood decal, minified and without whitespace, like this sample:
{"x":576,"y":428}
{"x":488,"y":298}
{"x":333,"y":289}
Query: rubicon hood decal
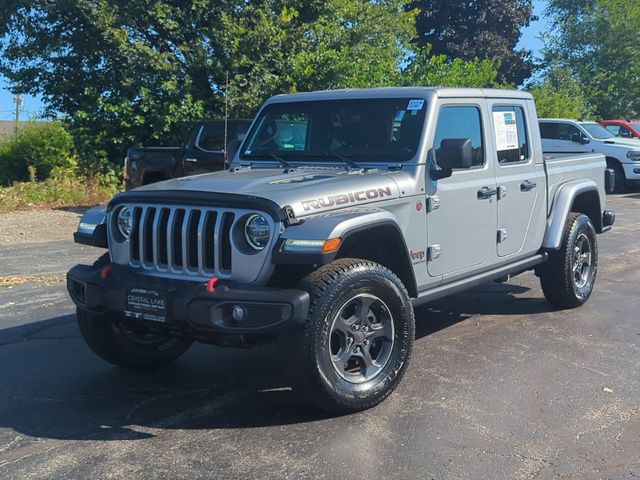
{"x":346,"y":198}
{"x":305,"y":192}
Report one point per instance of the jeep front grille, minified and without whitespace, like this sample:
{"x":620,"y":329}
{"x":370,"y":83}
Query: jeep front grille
{"x":182,"y":240}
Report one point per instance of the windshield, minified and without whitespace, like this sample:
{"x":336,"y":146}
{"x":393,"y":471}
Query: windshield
{"x":597,"y":131}
{"x":363,"y":130}
{"x":636,"y":126}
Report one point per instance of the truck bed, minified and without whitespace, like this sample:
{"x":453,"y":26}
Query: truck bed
{"x":563,"y":167}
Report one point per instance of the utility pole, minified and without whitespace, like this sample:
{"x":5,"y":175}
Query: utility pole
{"x":18,"y":101}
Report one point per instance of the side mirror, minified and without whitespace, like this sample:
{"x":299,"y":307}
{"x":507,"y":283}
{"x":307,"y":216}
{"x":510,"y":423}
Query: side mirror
{"x":453,"y":153}
{"x":579,"y":138}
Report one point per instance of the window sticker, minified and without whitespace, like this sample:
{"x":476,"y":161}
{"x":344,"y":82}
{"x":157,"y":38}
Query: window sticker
{"x":399,"y":115}
{"x":506,"y":130}
{"x":415,"y":104}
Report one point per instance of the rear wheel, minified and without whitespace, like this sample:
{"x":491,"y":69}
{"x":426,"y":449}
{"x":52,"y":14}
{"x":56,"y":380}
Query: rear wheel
{"x":129,"y":346}
{"x":569,"y":275}
{"x":357,"y":340}
{"x":620,"y":179}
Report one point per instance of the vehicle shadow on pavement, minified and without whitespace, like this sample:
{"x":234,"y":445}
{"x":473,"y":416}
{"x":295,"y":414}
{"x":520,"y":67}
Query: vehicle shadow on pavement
{"x":54,"y":387}
{"x":489,"y":299}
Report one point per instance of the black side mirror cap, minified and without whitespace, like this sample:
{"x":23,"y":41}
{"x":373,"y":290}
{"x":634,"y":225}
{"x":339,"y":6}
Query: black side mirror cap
{"x":455,"y":153}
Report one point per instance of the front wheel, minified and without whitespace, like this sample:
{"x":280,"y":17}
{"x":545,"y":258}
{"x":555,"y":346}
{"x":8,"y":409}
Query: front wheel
{"x":568,"y":278}
{"x":357,"y":340}
{"x":129,"y":346}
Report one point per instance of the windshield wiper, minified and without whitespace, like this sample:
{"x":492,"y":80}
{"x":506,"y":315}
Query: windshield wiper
{"x":279,"y":159}
{"x":350,"y":163}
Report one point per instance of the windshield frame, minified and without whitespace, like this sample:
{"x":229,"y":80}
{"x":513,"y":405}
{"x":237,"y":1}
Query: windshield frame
{"x":366,"y":157}
{"x":596,"y":126}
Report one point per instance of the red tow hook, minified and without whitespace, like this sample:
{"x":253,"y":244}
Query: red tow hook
{"x":211,"y":284}
{"x":105,"y":271}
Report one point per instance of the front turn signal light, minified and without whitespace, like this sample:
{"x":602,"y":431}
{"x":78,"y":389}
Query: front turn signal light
{"x":331,"y":245}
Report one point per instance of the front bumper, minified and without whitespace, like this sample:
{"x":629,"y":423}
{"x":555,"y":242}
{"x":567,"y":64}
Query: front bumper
{"x":190,"y":308}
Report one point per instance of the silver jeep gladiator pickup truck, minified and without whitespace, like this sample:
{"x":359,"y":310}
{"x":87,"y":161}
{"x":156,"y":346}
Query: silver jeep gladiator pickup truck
{"x":341,"y":212}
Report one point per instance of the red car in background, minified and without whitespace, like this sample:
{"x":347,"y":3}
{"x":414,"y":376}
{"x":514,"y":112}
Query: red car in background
{"x":623,"y":128}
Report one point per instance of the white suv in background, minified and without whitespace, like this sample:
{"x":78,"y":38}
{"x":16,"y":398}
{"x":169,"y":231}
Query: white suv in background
{"x":572,"y":136}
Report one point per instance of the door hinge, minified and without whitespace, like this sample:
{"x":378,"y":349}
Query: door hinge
{"x":433,"y":203}
{"x":502,"y":235}
{"x":502,"y":192}
{"x":433,"y":252}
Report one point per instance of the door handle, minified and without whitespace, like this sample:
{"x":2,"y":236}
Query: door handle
{"x":486,"y":192}
{"x":527,"y":185}
{"x":190,"y":159}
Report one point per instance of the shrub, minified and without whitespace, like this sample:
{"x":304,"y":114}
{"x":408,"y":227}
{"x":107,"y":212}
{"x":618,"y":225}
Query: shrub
{"x":42,"y":146}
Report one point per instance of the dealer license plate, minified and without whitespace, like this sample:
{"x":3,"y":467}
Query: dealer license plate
{"x":146,"y":304}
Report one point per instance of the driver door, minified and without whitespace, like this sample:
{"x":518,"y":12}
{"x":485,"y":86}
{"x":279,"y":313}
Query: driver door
{"x":462,"y":209}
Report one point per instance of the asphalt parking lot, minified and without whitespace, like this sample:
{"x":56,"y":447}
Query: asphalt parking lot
{"x":500,"y":386}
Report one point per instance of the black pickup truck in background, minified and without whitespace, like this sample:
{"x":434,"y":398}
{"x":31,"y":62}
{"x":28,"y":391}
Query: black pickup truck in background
{"x":203,"y":152}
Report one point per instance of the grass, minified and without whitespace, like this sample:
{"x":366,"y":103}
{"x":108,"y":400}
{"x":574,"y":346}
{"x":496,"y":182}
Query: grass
{"x":57,"y":191}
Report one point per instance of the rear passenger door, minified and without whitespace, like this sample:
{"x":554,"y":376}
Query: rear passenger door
{"x":462,"y":214}
{"x":521,"y":182}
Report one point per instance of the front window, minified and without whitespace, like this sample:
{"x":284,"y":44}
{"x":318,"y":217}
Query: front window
{"x":363,"y":130}
{"x":597,"y":131}
{"x":636,"y":126}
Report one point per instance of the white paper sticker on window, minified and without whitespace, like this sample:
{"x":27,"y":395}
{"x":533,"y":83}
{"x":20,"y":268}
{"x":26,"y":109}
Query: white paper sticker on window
{"x":506,"y":130}
{"x":415,"y":104}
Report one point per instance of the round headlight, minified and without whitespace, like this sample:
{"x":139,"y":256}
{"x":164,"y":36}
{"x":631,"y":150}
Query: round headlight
{"x":124,"y":222}
{"x":257,"y":231}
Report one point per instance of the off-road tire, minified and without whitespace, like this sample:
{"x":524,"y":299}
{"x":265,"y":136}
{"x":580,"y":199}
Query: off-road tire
{"x":308,"y":352}
{"x":111,"y":341}
{"x":557,"y":275}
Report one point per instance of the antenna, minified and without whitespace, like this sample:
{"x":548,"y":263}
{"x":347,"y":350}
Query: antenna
{"x":226,"y":117}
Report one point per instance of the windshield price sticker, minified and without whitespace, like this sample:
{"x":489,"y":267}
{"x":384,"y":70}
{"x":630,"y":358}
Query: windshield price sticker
{"x":506,"y":130}
{"x":416,"y":104}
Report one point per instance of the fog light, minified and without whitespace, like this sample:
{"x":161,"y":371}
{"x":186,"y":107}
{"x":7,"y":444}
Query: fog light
{"x":238,"y":313}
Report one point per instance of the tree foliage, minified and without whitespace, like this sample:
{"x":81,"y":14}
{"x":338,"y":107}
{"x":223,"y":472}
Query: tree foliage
{"x":561,"y":96}
{"x":39,"y":148}
{"x":125,"y":72}
{"x":436,"y":70}
{"x":485,"y":29}
{"x":597,"y":40}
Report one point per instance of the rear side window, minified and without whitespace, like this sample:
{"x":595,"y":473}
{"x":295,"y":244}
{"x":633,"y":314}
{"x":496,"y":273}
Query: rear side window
{"x":461,"y":122}
{"x":557,"y":131}
{"x":614,"y":129}
{"x":510,"y":128}
{"x":212,"y":137}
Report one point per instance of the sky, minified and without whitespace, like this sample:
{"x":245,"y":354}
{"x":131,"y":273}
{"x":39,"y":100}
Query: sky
{"x":32,"y":106}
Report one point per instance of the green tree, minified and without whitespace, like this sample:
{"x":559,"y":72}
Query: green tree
{"x":436,"y":70}
{"x":127,"y":72}
{"x":559,"y":95}
{"x":42,"y":146}
{"x":484,"y":29}
{"x":597,"y":40}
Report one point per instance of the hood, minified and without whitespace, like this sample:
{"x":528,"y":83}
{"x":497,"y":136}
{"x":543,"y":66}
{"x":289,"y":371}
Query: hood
{"x":307,"y":191}
{"x":623,"y":142}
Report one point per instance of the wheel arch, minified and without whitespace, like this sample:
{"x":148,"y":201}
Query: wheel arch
{"x":381,"y":242}
{"x":366,"y":234}
{"x":575,"y":196}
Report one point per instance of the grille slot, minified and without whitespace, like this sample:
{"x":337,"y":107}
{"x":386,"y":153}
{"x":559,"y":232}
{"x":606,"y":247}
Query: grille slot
{"x":182,"y":240}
